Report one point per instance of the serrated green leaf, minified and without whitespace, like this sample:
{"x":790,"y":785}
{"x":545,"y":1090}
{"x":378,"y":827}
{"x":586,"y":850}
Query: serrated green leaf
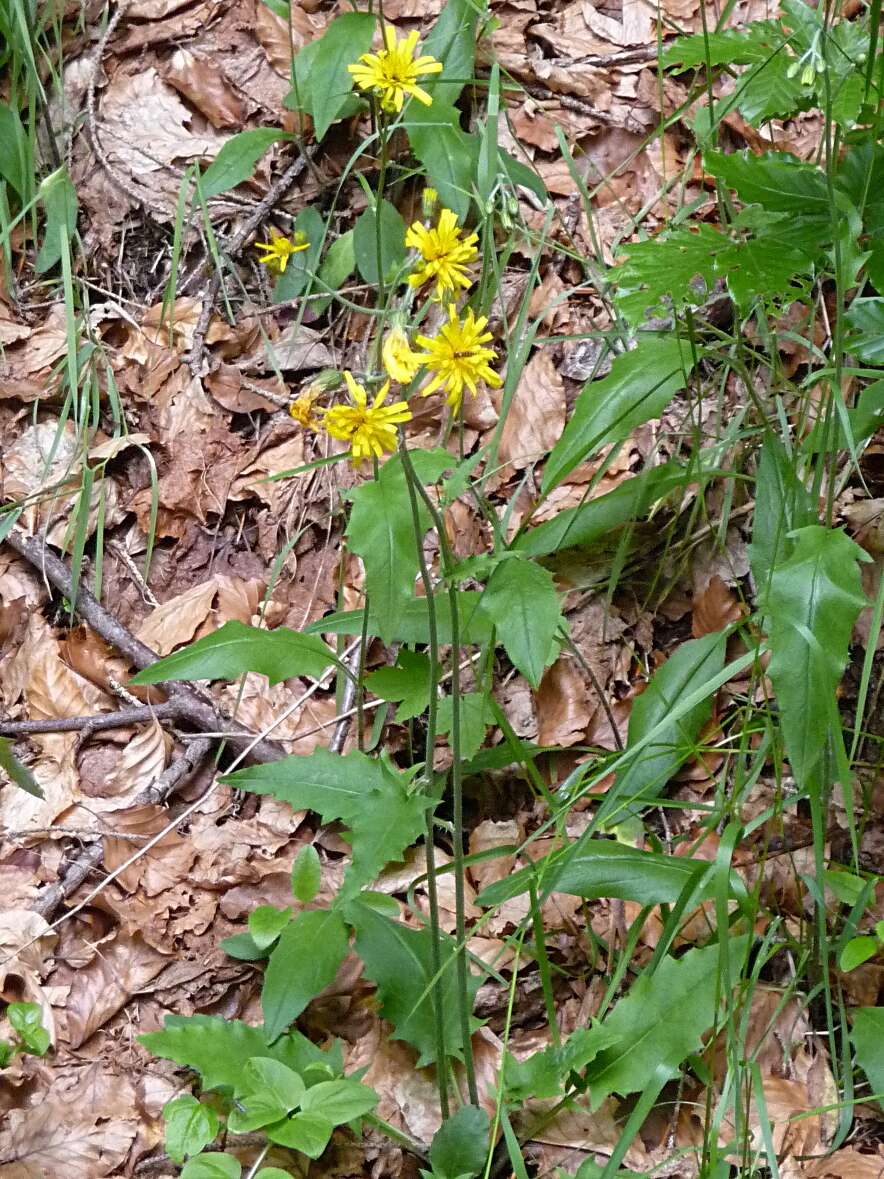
{"x":868,"y":1040}
{"x":813,"y":601}
{"x":407,"y":682}
{"x":640,"y":385}
{"x":218,"y":1048}
{"x":452,"y":40}
{"x":235,"y":162}
{"x":776,"y":180}
{"x":687,"y":670}
{"x":752,"y":44}
{"x":399,"y":961}
{"x":212,"y":1166}
{"x":304,"y":962}
{"x":392,"y":242}
{"x":662,"y":1020}
{"x":460,"y":1144}
{"x":330,"y":85}
{"x":306,"y":874}
{"x":339,"y":1101}
{"x":766,"y":91}
{"x":235,"y":649}
{"x":17,"y":772}
{"x":544,"y":1074}
{"x":189,"y":1127}
{"x":521,"y":600}
{"x":866,"y":337}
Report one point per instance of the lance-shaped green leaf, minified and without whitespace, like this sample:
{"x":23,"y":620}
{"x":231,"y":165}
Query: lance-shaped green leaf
{"x":16,"y":771}
{"x":693,"y":665}
{"x":236,"y":160}
{"x":868,"y":1039}
{"x":640,"y":385}
{"x":329,"y":82}
{"x":304,"y":962}
{"x":400,"y":961}
{"x":235,"y":649}
{"x":814,"y":599}
{"x":412,"y":623}
{"x":662,"y":1019}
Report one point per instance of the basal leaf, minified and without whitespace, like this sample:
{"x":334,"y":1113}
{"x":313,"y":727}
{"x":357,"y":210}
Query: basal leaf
{"x":782,"y":504}
{"x":339,"y":1101}
{"x":640,"y":385}
{"x":460,"y":1145}
{"x":866,"y":337}
{"x":476,"y":715}
{"x":399,"y":961}
{"x":189,"y":1126}
{"x":392,"y":242}
{"x":235,"y":649}
{"x":662,"y":1020}
{"x":330,"y":85}
{"x":212,"y":1165}
{"x":693,"y":665}
{"x":452,"y":40}
{"x":13,"y":149}
{"x":521,"y":600}
{"x":448,"y":153}
{"x":813,"y":601}
{"x":236,"y":160}
{"x":752,"y":44}
{"x":59,"y":199}
{"x":412,"y":625}
{"x":304,"y":962}
{"x":868,"y":1040}
{"x":408,"y":682}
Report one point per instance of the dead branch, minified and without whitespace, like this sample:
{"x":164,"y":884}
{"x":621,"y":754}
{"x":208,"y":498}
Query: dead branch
{"x":191,"y":707}
{"x":95,"y":724}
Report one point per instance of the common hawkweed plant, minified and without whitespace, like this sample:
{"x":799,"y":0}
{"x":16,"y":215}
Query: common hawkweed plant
{"x":392,"y":74}
{"x":278,"y":251}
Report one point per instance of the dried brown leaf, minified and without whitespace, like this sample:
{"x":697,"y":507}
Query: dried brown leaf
{"x":716,"y":608}
{"x":536,"y":416}
{"x":161,"y":868}
{"x":119,"y":970}
{"x":203,"y":82}
{"x":137,"y":767}
{"x":564,"y":709}
{"x":177,"y":621}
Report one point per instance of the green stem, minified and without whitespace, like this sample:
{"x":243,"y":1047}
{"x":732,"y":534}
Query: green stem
{"x":456,"y":794}
{"x":432,"y":709}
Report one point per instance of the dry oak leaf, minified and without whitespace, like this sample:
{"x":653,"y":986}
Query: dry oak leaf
{"x":536,"y":416}
{"x":177,"y":621}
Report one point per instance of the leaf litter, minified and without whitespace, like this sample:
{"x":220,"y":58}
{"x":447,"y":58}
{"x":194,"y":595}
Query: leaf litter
{"x":175,"y":83}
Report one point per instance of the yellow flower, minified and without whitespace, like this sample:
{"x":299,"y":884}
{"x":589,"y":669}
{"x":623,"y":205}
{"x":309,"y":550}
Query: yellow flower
{"x":445,"y":255}
{"x":303,"y":410}
{"x":399,"y":360}
{"x":393,"y":72}
{"x":279,"y":249}
{"x":457,"y":358}
{"x":370,"y":429}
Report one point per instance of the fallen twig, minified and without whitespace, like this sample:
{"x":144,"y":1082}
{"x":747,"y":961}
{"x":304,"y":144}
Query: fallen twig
{"x":190,"y":706}
{"x":121,"y":719}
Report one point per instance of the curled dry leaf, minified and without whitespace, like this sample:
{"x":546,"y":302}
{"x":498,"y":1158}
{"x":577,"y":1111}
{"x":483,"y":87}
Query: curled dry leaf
{"x":158,"y":869}
{"x":564,"y":709}
{"x":486,"y":837}
{"x":39,"y":1143}
{"x":202,"y":81}
{"x":273,"y":34}
{"x":716,"y":608}
{"x":119,"y":970}
{"x":176,"y":622}
{"x":138,"y":766}
{"x":536,"y":416}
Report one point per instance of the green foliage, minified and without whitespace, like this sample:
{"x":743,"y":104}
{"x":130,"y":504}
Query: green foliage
{"x":16,"y":772}
{"x":303,"y":963}
{"x":476,"y":714}
{"x":521,"y":600}
{"x":384,"y":223}
{"x":690,"y":669}
{"x":867,"y":1035}
{"x":813,"y":600}
{"x":306,"y":874}
{"x":212,"y":1166}
{"x":323,"y":87}
{"x":544,"y":1075}
{"x":189,"y":1127}
{"x":59,"y":199}
{"x":460,"y":1144}
{"x":236,"y":160}
{"x":26,"y":1020}
{"x":13,"y":150}
{"x":266,"y":923}
{"x":640,"y":385}
{"x":866,"y":338}
{"x":408,"y":683}
{"x":399,"y":961}
{"x":337,"y":266}
{"x":781,"y":505}
{"x":218,"y":1049}
{"x":297,"y":278}
{"x":777,"y":181}
{"x":661,"y":1020}
{"x":235,"y":649}
{"x":366,"y":795}
{"x":411,"y":625}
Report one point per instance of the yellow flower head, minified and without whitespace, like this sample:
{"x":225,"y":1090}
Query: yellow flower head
{"x":279,"y":249}
{"x":303,"y":410}
{"x":370,"y":429}
{"x":393,"y":72}
{"x":446,"y":255}
{"x":399,"y":360}
{"x":457,"y":358}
